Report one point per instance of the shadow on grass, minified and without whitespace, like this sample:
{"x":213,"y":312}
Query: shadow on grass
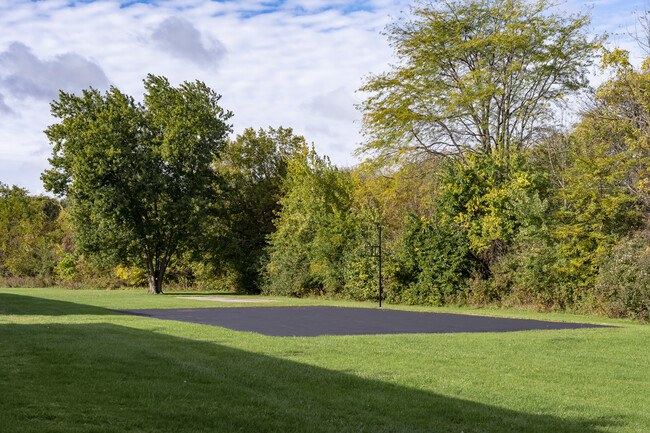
{"x":104,"y":377}
{"x":31,"y":305}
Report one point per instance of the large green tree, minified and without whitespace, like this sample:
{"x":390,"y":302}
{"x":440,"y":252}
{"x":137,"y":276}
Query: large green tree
{"x":139,"y":176}
{"x":473,"y":75}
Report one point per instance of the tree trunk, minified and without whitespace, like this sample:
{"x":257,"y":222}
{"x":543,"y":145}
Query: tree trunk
{"x":155,"y":282}
{"x":156,"y":267}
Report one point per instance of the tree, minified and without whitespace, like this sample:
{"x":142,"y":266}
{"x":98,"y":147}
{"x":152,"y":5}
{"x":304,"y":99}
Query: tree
{"x":30,"y":232}
{"x":478,"y":75}
{"x":138,"y":176}
{"x":314,"y":228}
{"x":255,"y":167}
{"x":600,"y":170}
{"x":620,"y":120}
{"x":393,"y":192}
{"x":489,"y":203}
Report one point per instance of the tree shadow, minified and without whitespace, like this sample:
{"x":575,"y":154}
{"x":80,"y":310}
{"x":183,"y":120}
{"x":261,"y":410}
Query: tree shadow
{"x":105,"y":377}
{"x":31,"y":305}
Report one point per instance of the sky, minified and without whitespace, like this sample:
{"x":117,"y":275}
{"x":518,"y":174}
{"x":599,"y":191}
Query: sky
{"x":290,"y":63}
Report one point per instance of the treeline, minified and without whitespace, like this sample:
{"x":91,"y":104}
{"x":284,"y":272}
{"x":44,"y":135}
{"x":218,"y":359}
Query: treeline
{"x":563,"y":228}
{"x":483,"y":198}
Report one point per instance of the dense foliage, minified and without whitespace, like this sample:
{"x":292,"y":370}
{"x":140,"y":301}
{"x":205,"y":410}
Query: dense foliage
{"x":32,"y":234}
{"x":314,"y":229}
{"x":254,"y":166}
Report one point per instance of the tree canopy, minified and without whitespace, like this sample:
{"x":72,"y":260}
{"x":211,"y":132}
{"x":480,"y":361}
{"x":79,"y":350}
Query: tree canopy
{"x":473,"y":75}
{"x":481,"y":197}
{"x":139,"y":176}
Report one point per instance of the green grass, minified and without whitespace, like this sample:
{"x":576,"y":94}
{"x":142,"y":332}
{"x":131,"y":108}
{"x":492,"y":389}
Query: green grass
{"x":69,"y":364}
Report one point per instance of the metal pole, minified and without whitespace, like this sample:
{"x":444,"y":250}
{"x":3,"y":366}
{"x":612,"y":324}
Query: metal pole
{"x":379,"y":228}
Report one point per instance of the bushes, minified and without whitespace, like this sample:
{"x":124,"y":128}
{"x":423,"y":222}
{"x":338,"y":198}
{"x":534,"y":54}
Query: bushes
{"x":435,"y":262}
{"x":536,"y":274}
{"x":623,"y":285}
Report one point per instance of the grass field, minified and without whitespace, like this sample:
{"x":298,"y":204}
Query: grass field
{"x":69,"y":364}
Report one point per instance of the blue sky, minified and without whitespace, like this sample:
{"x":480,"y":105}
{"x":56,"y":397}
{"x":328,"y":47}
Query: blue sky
{"x":292,"y":63}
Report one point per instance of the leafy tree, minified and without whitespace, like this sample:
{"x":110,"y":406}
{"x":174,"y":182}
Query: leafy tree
{"x":138,"y":176}
{"x":30,"y":231}
{"x":474,"y":75}
{"x":621,"y":116}
{"x":255,"y":167}
{"x":314,"y":228}
{"x":623,"y":284}
{"x":599,"y":172}
{"x":393,"y":192}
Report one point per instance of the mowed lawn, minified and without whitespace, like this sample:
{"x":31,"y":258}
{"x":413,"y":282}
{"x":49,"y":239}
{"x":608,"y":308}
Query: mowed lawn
{"x":69,"y":364}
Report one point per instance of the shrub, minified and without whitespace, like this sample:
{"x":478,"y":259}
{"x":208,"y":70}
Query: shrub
{"x":538,"y":275}
{"x":361,"y":272}
{"x":623,"y":284}
{"x":132,"y":276}
{"x":66,"y":269}
{"x":435,"y":262}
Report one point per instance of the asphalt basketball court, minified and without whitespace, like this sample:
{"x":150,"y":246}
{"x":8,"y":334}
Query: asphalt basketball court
{"x":321,"y":320}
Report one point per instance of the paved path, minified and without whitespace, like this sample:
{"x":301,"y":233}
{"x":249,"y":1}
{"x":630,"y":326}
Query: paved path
{"x":314,"y":321}
{"x":226,"y":299}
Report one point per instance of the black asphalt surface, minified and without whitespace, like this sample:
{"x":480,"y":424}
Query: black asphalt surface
{"x":314,"y":321}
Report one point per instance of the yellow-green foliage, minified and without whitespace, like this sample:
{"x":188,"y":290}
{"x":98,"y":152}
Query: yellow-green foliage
{"x":314,"y":228}
{"x":434,"y":262}
{"x":254,"y":165}
{"x":392,"y":192}
{"x":490,"y":201}
{"x":603,"y":186}
{"x":473,"y":74}
{"x":31,"y":230}
{"x":131,"y":275}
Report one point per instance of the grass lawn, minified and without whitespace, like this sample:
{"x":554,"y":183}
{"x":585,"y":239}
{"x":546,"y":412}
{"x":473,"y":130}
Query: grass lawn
{"x":69,"y":364}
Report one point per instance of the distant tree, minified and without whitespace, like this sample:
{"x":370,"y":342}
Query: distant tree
{"x":254,"y":165}
{"x":139,"y":177}
{"x":396,"y":191}
{"x":30,"y":233}
{"x":314,"y":228}
{"x":489,"y":203}
{"x":601,"y":170}
{"x":477,"y":75}
{"x":435,"y":261}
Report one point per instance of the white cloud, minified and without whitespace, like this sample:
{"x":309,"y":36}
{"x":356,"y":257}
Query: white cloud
{"x":280,"y":59}
{"x":337,"y":104}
